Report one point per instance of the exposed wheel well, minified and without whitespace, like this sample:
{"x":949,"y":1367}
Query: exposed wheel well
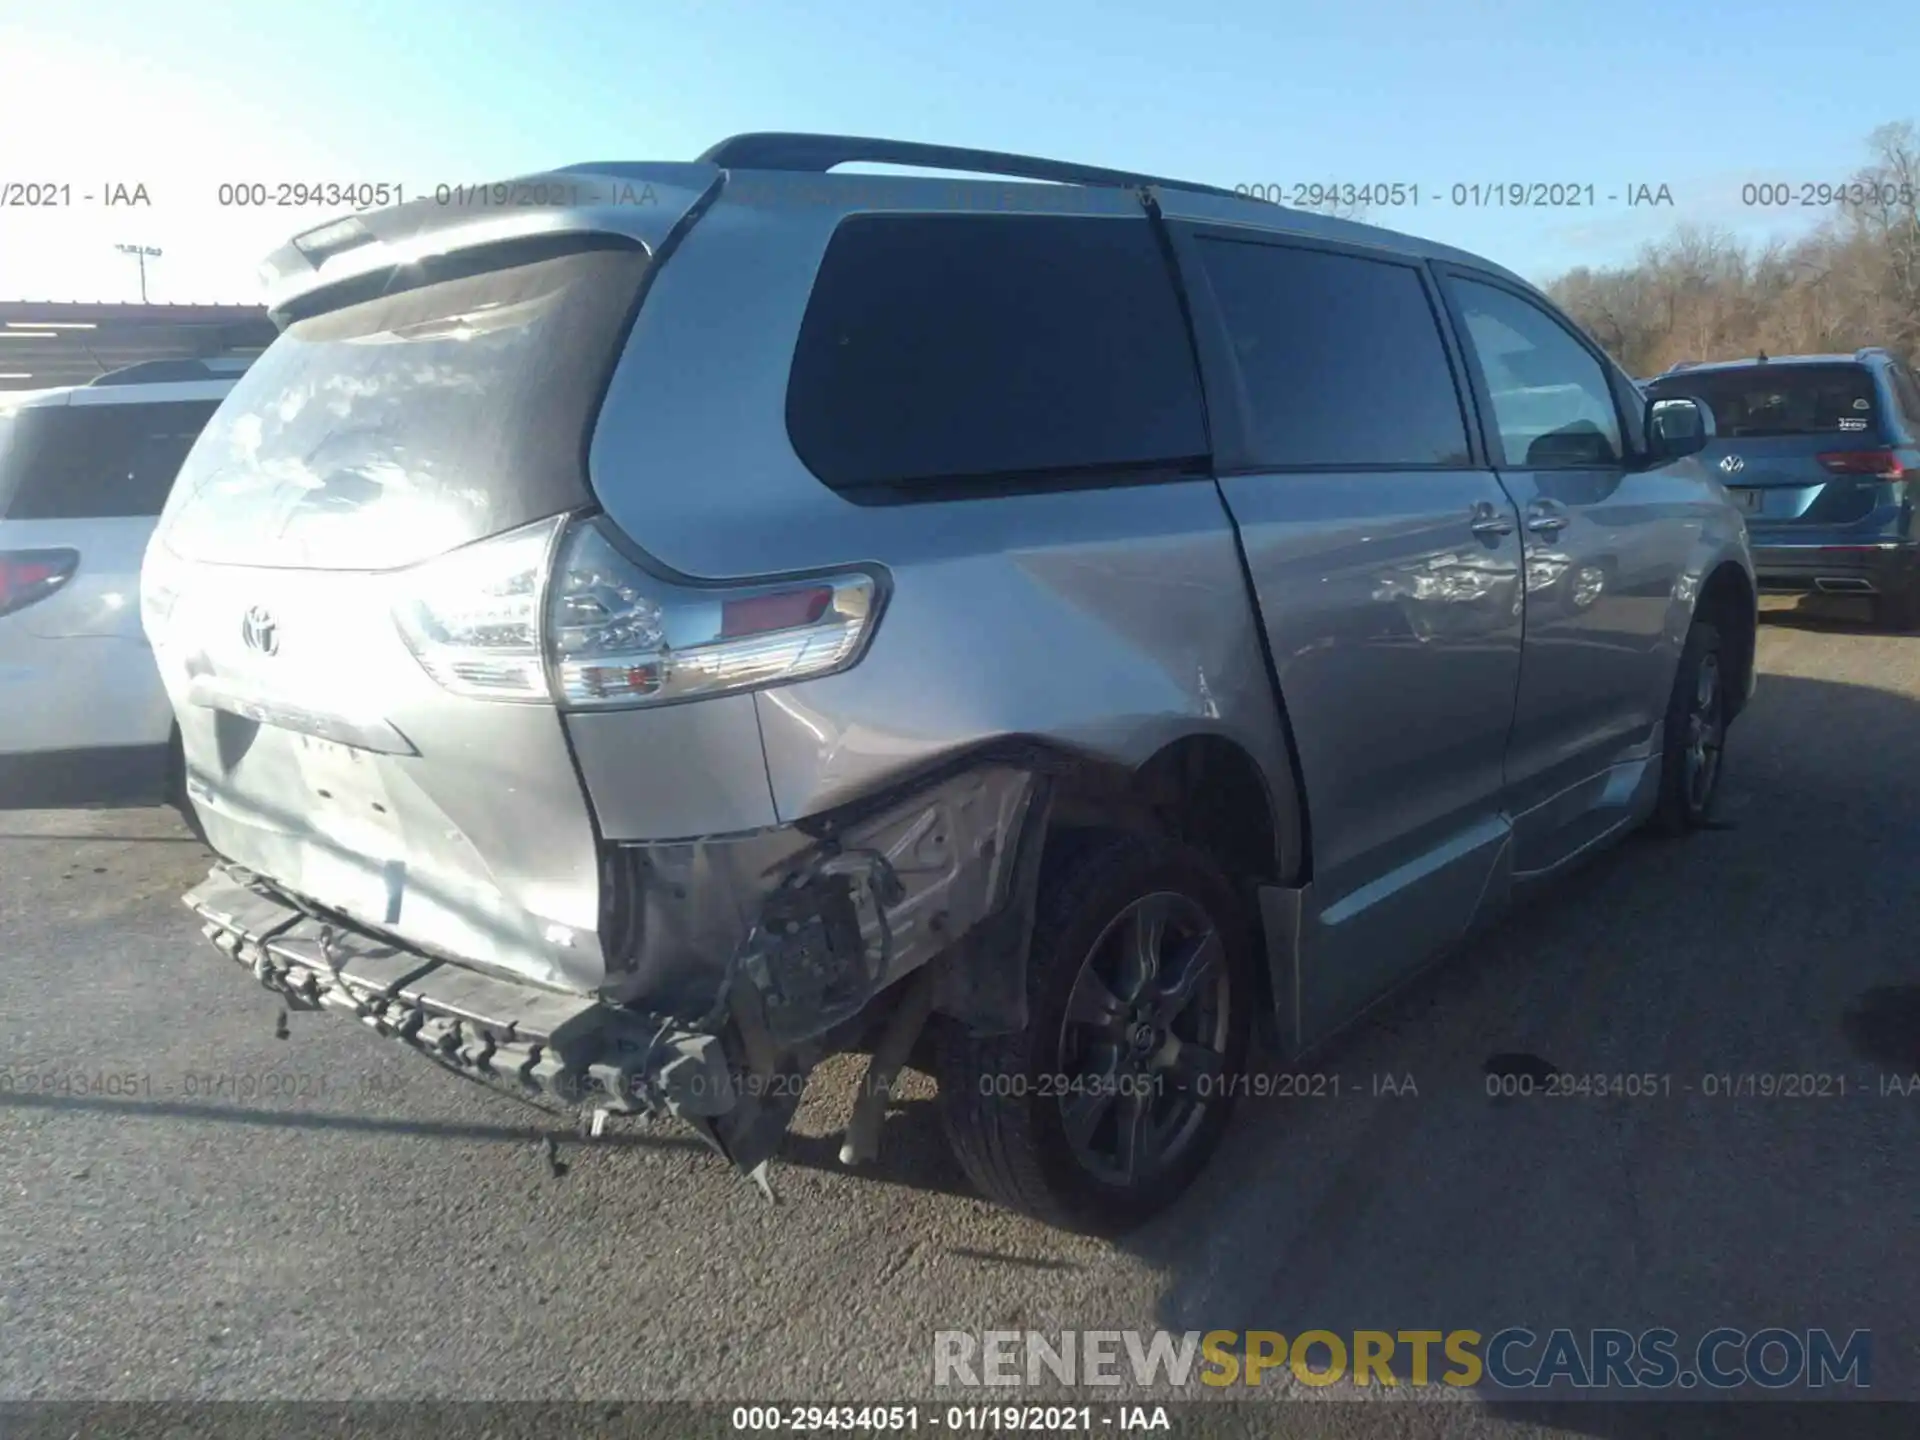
{"x":1727,"y":601}
{"x":1210,"y":793}
{"x":1204,"y":790}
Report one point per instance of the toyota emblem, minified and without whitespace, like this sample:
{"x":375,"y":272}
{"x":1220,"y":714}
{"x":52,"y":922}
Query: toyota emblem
{"x":260,"y":632}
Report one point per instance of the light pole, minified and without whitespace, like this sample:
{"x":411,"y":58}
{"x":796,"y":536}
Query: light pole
{"x":140,"y":253}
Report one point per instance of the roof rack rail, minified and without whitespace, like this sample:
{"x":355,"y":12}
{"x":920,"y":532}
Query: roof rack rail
{"x":780,"y":150}
{"x":1681,"y":365}
{"x":1865,"y":350}
{"x":160,"y":372}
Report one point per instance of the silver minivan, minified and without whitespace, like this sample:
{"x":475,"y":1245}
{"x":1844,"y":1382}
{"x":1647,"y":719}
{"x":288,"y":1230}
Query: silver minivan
{"x":644,"y":628}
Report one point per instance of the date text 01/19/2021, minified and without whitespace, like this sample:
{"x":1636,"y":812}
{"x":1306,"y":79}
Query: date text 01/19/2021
{"x":1482,"y":195}
{"x":955,"y":1419}
{"x":361,"y":195}
{"x":1249,"y":1084}
{"x":1717,"y":1085}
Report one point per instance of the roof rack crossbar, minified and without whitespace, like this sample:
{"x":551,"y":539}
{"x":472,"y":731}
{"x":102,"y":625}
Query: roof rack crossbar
{"x":779,"y":150}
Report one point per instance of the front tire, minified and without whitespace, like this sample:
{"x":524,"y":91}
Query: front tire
{"x":1140,"y":993}
{"x":1695,"y":735}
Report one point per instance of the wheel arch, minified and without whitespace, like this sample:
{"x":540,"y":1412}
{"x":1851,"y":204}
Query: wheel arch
{"x":1727,"y":601}
{"x":1208,"y":791}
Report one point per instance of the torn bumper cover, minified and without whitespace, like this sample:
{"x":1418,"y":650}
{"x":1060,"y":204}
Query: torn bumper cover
{"x":736,"y":964}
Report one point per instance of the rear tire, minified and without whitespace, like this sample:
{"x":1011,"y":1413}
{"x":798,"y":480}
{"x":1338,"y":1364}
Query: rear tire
{"x":1898,"y":611}
{"x":1695,"y":735}
{"x":1104,"y":1109}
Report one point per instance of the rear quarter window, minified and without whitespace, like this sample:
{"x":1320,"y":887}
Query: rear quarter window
{"x":1339,"y":359}
{"x":95,"y":462}
{"x":974,"y":347}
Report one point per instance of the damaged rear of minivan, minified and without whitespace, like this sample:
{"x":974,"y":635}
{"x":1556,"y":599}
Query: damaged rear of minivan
{"x":506,"y":724}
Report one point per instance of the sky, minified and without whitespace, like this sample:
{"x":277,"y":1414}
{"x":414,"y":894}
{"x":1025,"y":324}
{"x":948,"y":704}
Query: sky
{"x":107,"y":98}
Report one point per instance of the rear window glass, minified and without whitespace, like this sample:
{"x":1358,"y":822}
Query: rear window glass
{"x":954,"y":347}
{"x":93,"y":462}
{"x":1339,"y":359}
{"x":1781,"y":399}
{"x":392,"y":430}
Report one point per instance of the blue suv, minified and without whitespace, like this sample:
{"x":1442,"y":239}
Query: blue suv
{"x":1822,"y":454}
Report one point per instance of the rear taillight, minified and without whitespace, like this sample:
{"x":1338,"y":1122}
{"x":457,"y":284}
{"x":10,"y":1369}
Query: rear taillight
{"x":623,"y":636}
{"x":1881,"y":464}
{"x":30,"y":575}
{"x":580,"y":621}
{"x":472,"y":618}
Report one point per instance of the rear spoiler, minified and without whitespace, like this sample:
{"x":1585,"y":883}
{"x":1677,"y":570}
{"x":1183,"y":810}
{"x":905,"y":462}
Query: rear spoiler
{"x":642,"y":202}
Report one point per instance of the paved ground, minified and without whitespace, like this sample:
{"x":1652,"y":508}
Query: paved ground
{"x":386,"y":1230}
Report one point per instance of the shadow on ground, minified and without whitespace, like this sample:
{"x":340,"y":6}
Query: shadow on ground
{"x":1776,"y":953}
{"x":1778,"y":946}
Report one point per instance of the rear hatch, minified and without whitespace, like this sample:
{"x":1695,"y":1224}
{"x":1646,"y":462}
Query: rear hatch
{"x":344,"y":487}
{"x":1801,"y":447}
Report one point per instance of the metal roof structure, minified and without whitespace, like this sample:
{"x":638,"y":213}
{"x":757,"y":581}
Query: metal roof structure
{"x":47,"y":343}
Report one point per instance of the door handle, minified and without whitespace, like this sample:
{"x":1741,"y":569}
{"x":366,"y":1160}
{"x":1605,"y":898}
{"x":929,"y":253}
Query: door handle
{"x":1544,"y":520}
{"x":1490,"y":520}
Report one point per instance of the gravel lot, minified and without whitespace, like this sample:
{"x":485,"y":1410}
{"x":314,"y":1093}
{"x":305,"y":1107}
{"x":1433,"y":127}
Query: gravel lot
{"x":376,"y":1228}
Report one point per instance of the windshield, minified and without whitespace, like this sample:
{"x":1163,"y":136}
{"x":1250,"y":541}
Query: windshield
{"x":1781,"y":399}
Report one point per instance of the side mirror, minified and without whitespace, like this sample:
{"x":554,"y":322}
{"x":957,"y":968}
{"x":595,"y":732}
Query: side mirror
{"x":1677,"y":428}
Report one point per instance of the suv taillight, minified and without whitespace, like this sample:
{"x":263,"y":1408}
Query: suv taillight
{"x":30,"y":575}
{"x":1881,"y":464}
{"x":539,"y":614}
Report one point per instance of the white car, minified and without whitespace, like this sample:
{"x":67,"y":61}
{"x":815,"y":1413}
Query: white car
{"x":83,"y":474}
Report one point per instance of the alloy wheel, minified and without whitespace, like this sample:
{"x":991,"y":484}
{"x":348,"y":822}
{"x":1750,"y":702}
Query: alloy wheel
{"x":1144,"y":1038}
{"x":1705,"y":734}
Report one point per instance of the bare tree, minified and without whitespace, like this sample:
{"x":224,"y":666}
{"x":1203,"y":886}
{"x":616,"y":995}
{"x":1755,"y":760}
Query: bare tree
{"x":1701,"y":295}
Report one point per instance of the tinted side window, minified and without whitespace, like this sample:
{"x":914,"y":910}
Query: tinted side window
{"x":85,"y":462}
{"x":1551,"y":400}
{"x":957,"y":346}
{"x":1340,"y":359}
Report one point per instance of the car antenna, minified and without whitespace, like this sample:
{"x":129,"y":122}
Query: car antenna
{"x":1763,"y":357}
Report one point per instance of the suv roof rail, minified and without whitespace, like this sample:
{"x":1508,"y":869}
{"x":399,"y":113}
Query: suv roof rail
{"x":1681,"y":365}
{"x":1865,"y":350}
{"x":781,"y":150}
{"x":159,"y":372}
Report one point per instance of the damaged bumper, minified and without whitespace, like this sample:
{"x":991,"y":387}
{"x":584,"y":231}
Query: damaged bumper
{"x":571,"y":1048}
{"x":738,"y":963}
